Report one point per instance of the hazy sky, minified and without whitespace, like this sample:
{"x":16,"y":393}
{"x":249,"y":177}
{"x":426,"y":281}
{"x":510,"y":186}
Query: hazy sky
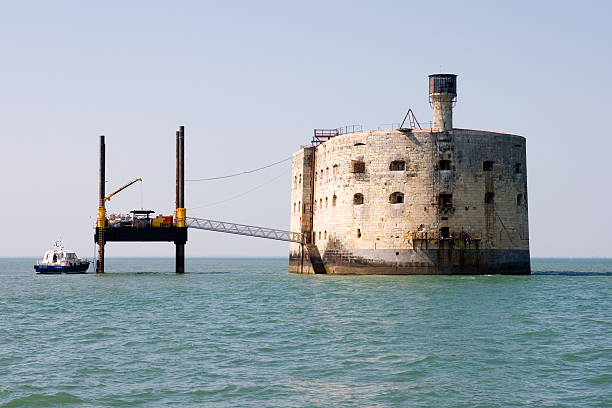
{"x":250,"y":80}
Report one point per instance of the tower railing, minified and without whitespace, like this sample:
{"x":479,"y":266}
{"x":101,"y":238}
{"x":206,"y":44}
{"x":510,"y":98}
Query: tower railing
{"x":349,"y":129}
{"x":323,"y":135}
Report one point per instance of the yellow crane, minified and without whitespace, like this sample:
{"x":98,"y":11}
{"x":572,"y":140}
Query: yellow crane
{"x":101,"y":221}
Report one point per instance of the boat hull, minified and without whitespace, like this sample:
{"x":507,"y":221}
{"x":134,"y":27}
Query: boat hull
{"x":56,"y":269}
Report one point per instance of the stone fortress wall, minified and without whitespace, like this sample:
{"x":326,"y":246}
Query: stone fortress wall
{"x":417,"y":201}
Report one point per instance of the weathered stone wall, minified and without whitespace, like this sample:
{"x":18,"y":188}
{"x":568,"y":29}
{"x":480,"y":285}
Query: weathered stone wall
{"x":502,"y":224}
{"x":439,"y":224}
{"x":301,"y":208}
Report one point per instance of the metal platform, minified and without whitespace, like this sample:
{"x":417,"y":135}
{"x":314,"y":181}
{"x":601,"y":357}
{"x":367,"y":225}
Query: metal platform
{"x":146,"y":234}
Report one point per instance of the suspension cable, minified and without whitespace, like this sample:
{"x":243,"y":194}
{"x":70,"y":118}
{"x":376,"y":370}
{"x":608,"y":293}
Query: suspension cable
{"x":243,"y":193}
{"x":241,"y":173}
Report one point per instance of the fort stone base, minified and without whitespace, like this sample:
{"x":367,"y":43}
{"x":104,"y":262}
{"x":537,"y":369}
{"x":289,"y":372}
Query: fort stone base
{"x":416,"y":262}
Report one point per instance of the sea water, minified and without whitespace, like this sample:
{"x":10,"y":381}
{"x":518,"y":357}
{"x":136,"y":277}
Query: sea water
{"x":244,"y":332}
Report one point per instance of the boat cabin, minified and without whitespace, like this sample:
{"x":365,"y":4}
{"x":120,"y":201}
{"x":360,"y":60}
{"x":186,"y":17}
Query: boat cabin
{"x":57,"y":256}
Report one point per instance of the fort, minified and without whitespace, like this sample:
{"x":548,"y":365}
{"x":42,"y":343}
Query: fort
{"x":410,"y":200}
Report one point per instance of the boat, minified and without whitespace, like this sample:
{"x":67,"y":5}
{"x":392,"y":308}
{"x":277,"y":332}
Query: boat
{"x":59,"y":260}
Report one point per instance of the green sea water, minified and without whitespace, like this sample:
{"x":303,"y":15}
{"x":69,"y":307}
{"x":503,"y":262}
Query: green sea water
{"x":244,"y":332}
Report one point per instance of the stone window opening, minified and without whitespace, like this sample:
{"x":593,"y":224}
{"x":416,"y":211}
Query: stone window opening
{"x":397,"y":165}
{"x":320,"y":203}
{"x":444,"y":233}
{"x":445,"y":200}
{"x":293,"y":207}
{"x":517,"y":168}
{"x":300,"y":179}
{"x":335,"y":170}
{"x":299,"y":206}
{"x":359,"y":144}
{"x":487,"y":165}
{"x":334,"y":198}
{"x":358,"y":233}
{"x":325,"y":202}
{"x":519,"y":199}
{"x":357,"y":166}
{"x":295,"y":182}
{"x":325,"y":235}
{"x":396,"y":198}
{"x":445,"y":165}
{"x":489,"y":198}
{"x":358,"y":199}
{"x":319,"y":234}
{"x":321,"y":173}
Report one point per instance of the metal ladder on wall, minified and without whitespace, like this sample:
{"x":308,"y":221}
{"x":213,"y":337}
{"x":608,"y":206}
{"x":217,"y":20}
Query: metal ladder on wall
{"x":100,"y":244}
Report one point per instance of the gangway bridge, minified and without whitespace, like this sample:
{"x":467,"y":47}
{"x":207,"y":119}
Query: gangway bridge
{"x":241,"y":229}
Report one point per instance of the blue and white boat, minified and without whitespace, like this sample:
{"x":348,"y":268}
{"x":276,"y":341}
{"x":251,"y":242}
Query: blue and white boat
{"x":59,"y":260}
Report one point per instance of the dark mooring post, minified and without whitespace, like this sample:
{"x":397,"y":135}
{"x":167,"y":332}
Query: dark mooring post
{"x":101,"y":221}
{"x":180,"y":196}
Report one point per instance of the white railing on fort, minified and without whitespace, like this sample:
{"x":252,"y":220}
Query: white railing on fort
{"x":241,"y":229}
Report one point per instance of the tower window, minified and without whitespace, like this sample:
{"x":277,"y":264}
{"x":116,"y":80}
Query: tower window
{"x":324,"y":234}
{"x":293,"y":207}
{"x":334,"y":198}
{"x":489,"y":198}
{"x":445,"y":200}
{"x":396,"y":198}
{"x":445,"y":164}
{"x":325,"y":202}
{"x":398,"y":165}
{"x":358,"y":233}
{"x":444,"y":233}
{"x":519,"y":199}
{"x":358,"y":199}
{"x":517,"y":168}
{"x":487,"y":165}
{"x":358,"y":166}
